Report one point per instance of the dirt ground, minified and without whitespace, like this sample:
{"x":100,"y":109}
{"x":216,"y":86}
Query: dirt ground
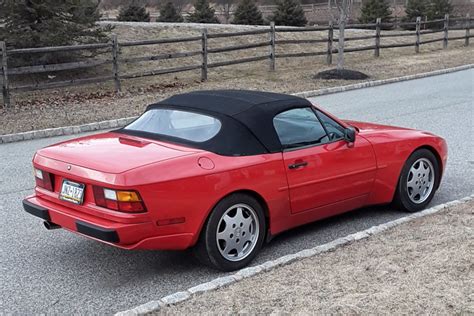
{"x":92,"y":103}
{"x":422,"y":267}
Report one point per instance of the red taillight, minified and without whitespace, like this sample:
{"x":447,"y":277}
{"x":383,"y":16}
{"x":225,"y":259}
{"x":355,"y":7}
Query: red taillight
{"x":123,"y":201}
{"x":44,"y":179}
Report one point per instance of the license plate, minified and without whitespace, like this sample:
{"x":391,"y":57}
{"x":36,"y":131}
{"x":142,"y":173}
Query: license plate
{"x":72,"y":192}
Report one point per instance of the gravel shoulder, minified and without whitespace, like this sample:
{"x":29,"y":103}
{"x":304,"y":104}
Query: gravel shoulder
{"x":421,"y":267}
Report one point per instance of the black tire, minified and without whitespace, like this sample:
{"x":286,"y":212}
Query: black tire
{"x":402,"y":200}
{"x":206,"y":249}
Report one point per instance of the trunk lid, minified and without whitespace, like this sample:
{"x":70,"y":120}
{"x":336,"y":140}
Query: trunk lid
{"x":113,"y":153}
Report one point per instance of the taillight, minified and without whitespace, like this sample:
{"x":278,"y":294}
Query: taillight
{"x":123,"y":201}
{"x":44,"y":179}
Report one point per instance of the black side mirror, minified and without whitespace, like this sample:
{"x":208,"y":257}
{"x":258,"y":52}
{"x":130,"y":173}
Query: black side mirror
{"x":350,"y":134}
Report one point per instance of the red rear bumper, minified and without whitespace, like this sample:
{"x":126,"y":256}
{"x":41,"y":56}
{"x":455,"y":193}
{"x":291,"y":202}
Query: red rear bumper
{"x":123,"y":235}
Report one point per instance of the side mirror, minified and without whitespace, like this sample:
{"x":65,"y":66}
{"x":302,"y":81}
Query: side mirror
{"x":350,"y":134}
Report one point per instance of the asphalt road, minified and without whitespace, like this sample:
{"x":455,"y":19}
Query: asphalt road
{"x":56,"y":272}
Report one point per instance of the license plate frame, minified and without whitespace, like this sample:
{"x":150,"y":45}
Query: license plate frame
{"x":72,"y":192}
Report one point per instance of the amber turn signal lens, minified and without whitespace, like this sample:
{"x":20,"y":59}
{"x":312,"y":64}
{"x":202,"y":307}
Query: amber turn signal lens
{"x":122,"y":201}
{"x":128,"y":196}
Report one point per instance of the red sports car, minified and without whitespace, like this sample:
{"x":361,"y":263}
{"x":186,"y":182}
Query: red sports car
{"x":221,"y":171}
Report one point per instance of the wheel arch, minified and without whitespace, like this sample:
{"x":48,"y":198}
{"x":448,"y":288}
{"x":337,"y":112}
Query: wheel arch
{"x":254,"y":194}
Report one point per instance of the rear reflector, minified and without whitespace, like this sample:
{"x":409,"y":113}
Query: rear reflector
{"x":122,"y":201}
{"x":170,"y":221}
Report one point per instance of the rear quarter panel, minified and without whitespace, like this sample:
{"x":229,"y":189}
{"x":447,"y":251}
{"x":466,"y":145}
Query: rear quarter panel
{"x":182,"y":188}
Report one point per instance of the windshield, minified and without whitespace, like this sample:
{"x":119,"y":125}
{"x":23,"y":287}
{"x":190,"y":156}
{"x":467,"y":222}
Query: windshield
{"x":176,"y":123}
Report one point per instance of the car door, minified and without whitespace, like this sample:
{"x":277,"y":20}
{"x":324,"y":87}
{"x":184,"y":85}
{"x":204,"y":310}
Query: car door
{"x":322,"y":167}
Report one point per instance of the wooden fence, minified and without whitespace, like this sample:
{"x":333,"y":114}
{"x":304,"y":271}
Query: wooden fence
{"x":115,"y":60}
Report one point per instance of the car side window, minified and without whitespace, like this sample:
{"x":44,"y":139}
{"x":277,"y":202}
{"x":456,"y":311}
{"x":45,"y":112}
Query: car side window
{"x":298,"y":128}
{"x":335,"y":130}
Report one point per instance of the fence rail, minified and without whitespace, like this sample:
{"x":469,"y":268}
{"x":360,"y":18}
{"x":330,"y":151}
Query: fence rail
{"x":116,"y":60}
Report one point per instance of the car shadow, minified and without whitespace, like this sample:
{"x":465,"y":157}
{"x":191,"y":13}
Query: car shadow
{"x":326,"y":230}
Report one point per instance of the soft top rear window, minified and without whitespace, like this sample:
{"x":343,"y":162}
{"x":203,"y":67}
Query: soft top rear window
{"x":185,"y":125}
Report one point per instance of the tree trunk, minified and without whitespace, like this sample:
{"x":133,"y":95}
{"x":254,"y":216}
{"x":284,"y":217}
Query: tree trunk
{"x":340,"y":52}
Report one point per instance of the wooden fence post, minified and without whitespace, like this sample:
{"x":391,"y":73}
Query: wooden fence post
{"x":446,"y":28}
{"x":5,"y":86}
{"x":417,"y":43}
{"x":115,"y":65}
{"x":204,"y":55}
{"x":272,"y":46}
{"x":330,"y":41}
{"x":377,"y":37}
{"x":468,"y":29}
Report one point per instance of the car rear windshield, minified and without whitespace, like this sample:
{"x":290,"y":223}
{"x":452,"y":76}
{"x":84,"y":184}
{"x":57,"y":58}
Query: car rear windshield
{"x":189,"y":126}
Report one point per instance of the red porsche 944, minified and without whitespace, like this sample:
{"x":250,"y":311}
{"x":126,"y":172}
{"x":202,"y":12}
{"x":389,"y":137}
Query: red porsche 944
{"x":220,"y":171}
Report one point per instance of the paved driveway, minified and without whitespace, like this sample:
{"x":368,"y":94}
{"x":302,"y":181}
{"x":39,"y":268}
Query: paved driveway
{"x":56,"y":272}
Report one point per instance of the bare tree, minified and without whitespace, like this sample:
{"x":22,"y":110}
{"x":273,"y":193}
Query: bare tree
{"x":225,"y":7}
{"x":344,"y":8}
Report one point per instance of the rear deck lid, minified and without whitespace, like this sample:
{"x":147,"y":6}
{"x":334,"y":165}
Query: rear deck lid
{"x":113,"y":152}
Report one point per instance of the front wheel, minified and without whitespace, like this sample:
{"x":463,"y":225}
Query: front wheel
{"x":418,"y":181}
{"x":233,"y":234}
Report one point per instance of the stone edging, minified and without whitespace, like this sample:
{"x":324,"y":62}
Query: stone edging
{"x":374,"y":83}
{"x":69,"y":130}
{"x":182,"y":296}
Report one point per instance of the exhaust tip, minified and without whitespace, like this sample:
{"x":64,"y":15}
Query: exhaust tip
{"x":50,"y":225}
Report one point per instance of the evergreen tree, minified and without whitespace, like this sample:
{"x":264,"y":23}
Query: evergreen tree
{"x":168,"y":13}
{"x":416,"y":8}
{"x":38,"y":23}
{"x":373,"y":9}
{"x":289,"y":12}
{"x":438,"y":8}
{"x":133,"y":13}
{"x":203,"y":13}
{"x":247,"y":12}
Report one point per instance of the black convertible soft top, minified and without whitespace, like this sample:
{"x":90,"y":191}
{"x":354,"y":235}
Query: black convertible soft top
{"x":246,"y":116}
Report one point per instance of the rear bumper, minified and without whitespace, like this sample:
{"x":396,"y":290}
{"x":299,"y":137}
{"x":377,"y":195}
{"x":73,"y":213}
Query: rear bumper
{"x":127,"y":236}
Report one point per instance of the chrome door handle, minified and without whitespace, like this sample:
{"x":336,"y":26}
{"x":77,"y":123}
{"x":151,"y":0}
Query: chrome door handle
{"x":297,"y":165}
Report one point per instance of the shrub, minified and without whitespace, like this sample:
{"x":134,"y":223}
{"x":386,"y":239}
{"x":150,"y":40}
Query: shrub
{"x":373,"y":9}
{"x":289,"y":12}
{"x":416,"y":8}
{"x":168,"y":13}
{"x":133,"y":13}
{"x":203,"y":13}
{"x":438,"y":8}
{"x":38,"y":23}
{"x":247,"y":12}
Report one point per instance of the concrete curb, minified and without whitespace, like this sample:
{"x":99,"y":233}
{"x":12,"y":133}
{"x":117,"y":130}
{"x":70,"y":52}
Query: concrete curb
{"x":374,"y":83}
{"x":182,"y":296}
{"x":69,"y":130}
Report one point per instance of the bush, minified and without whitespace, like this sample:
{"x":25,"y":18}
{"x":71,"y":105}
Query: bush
{"x":168,"y":13}
{"x":289,"y":12}
{"x":247,"y":12}
{"x":39,"y":23}
{"x":414,"y":9}
{"x":438,"y":8}
{"x":133,"y":13}
{"x":203,"y":13}
{"x":373,"y":9}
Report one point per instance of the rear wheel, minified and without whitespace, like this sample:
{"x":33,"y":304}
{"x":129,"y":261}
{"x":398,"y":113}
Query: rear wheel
{"x":233,"y":234}
{"x":418,"y":181}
